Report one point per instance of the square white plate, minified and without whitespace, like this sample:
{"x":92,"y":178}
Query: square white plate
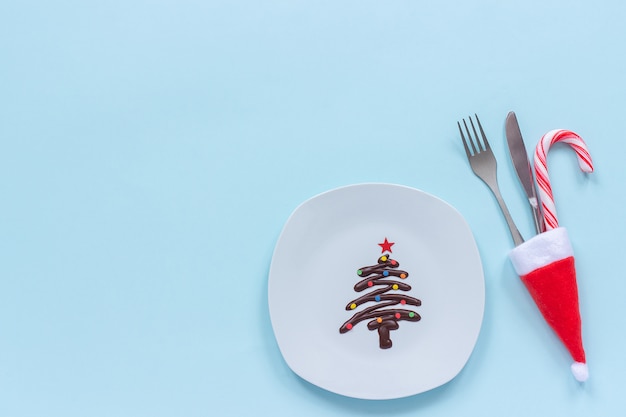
{"x":313,"y":273}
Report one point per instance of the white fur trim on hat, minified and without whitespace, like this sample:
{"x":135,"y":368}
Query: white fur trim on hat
{"x":541,"y":250}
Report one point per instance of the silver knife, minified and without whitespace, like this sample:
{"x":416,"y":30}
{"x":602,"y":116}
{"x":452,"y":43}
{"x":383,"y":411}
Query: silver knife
{"x":517,"y":149}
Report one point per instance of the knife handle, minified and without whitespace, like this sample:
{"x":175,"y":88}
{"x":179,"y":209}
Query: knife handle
{"x":537,"y":216}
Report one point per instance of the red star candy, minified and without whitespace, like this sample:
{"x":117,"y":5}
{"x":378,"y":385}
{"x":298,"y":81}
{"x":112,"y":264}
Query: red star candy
{"x":386,"y":245}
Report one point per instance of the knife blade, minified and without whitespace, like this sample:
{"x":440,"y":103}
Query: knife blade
{"x":517,"y":150}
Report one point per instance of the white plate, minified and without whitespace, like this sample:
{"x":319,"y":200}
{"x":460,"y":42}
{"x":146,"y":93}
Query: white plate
{"x":314,"y":271}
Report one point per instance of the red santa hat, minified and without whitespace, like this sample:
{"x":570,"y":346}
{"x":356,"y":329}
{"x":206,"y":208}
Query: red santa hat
{"x":545,"y":265}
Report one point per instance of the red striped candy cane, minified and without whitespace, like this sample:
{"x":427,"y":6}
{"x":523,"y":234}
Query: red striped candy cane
{"x":541,"y":169}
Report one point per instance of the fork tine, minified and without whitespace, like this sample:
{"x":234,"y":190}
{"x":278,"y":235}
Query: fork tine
{"x":471,"y":140}
{"x":467,"y":151}
{"x":480,"y":146}
{"x":482,"y":132}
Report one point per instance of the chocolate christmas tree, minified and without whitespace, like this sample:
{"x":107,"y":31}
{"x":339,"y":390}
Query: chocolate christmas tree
{"x":380,"y":279}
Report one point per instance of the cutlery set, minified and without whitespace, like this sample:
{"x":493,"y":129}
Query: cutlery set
{"x":484,"y":165}
{"x":545,"y":262}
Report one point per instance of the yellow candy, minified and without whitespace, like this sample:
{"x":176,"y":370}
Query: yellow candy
{"x":383,"y":258}
{"x":395,"y":286}
{"x":352,"y":306}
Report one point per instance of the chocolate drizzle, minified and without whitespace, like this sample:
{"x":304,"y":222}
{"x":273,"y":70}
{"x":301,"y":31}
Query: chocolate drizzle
{"x":384,"y":318}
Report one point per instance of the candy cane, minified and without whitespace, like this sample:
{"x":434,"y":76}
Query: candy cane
{"x":541,"y":169}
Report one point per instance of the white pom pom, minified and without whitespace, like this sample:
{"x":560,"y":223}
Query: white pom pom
{"x":580,"y":371}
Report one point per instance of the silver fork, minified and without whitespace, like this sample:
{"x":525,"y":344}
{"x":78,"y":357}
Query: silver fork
{"x":484,"y":165}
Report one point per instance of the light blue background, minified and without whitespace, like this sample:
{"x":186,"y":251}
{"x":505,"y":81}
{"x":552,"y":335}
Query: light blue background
{"x":151,"y":152}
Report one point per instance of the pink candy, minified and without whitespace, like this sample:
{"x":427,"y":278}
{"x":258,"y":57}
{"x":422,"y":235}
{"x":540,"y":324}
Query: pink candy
{"x":541,"y":169}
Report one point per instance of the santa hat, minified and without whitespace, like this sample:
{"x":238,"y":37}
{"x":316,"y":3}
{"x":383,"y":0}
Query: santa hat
{"x":545,"y":265}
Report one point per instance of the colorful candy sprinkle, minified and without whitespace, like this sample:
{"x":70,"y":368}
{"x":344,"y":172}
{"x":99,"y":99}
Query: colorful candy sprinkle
{"x":349,"y":326}
{"x":352,"y":306}
{"x":395,"y":286}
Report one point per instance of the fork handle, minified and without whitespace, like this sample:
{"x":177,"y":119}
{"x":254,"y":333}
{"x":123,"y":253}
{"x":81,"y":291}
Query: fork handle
{"x":515,"y":234}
